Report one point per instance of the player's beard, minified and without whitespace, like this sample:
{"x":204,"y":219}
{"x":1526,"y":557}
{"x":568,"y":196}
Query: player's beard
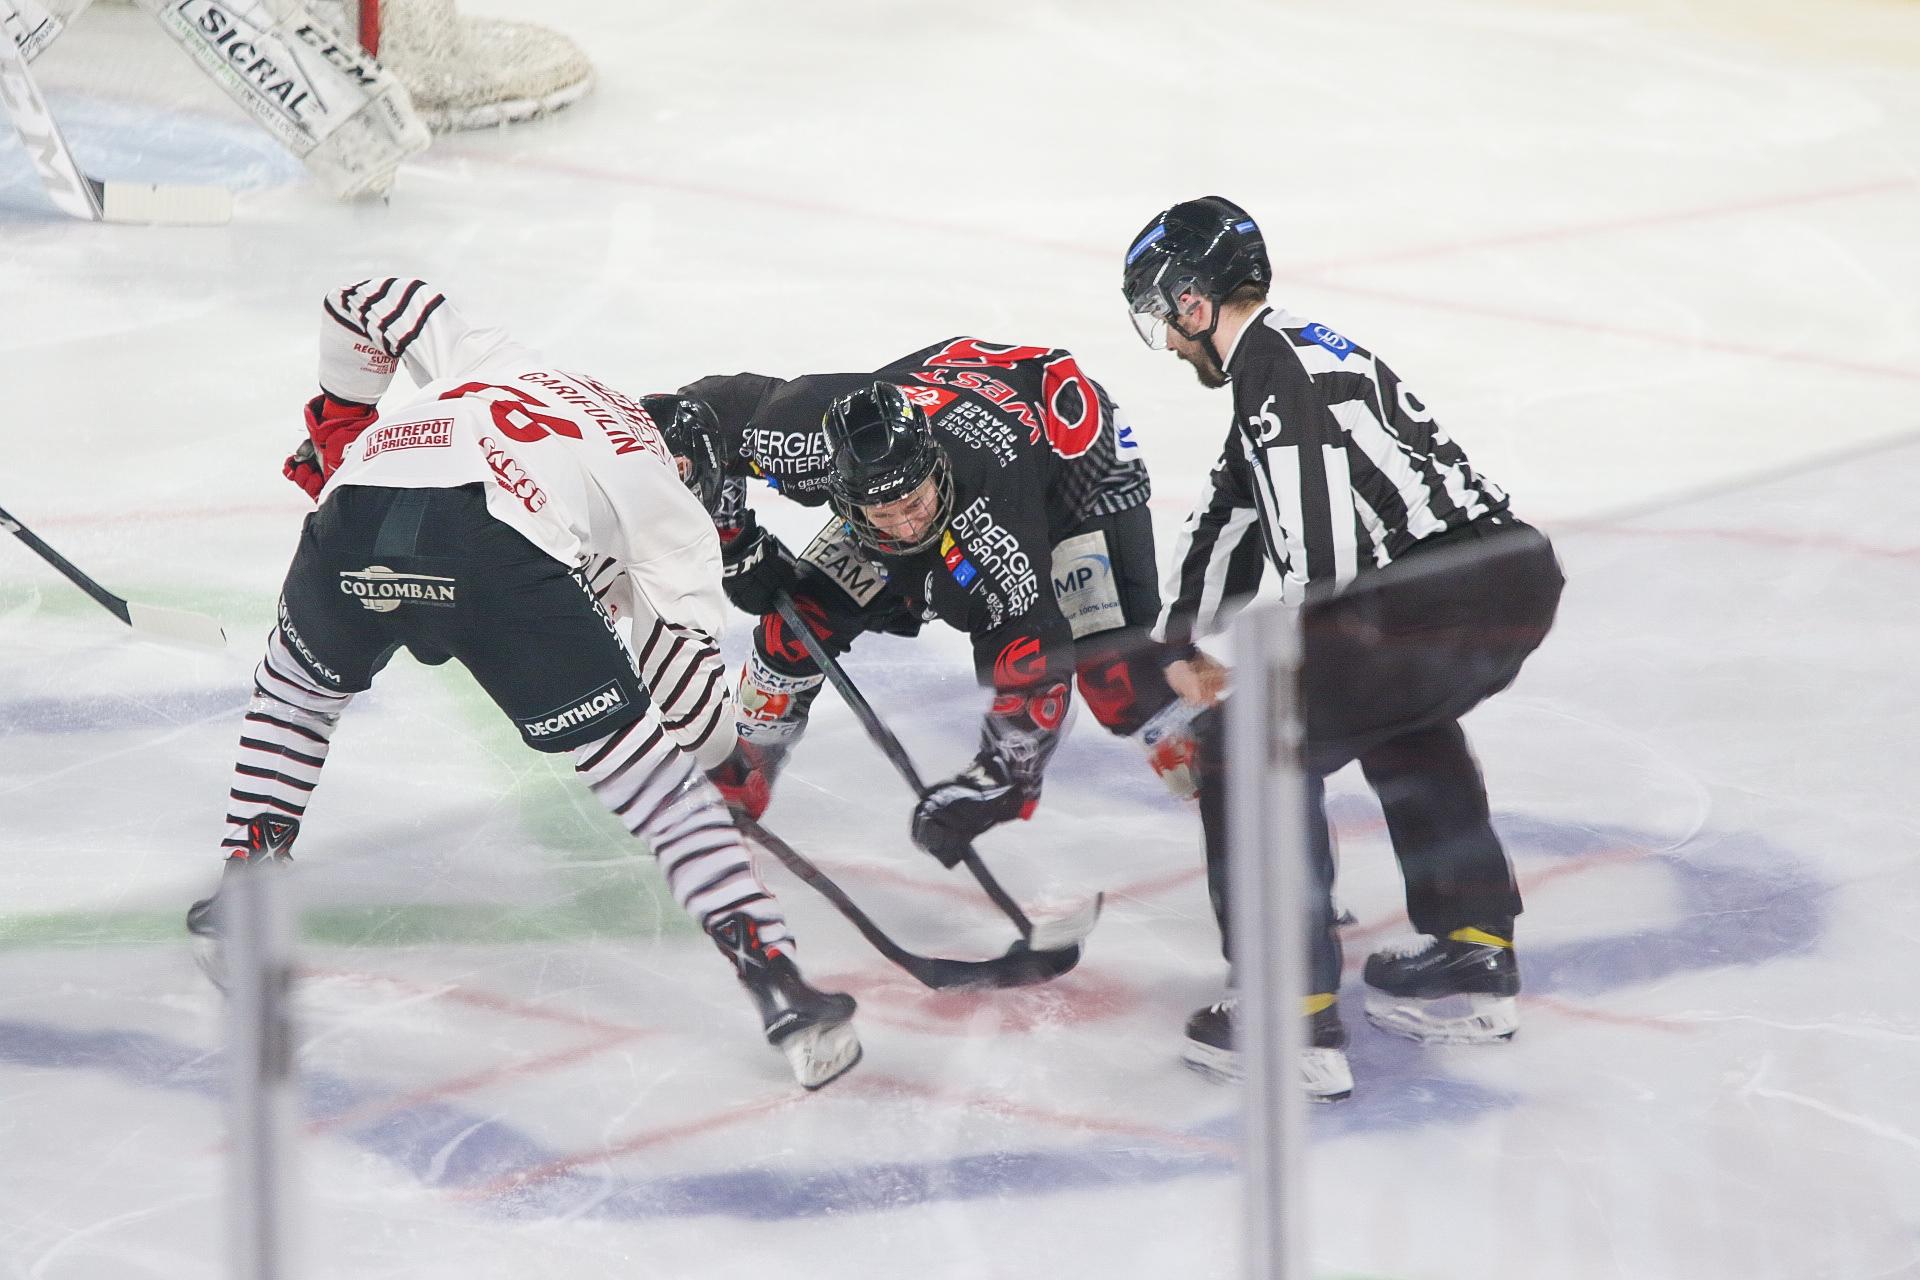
{"x":1196,"y":354}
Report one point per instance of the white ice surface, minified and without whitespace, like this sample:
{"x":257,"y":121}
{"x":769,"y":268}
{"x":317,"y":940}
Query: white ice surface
{"x":1630,"y":253}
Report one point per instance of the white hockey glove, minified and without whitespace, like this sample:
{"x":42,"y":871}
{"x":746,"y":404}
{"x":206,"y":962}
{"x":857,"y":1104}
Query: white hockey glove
{"x":1169,"y":743}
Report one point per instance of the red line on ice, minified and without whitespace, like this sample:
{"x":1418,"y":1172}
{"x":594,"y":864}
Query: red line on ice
{"x":1634,"y":222}
{"x":476,"y":1081}
{"x":564,"y":1165}
{"x":1313,"y":271}
{"x":1644,"y":1022}
{"x":894,"y":1086}
{"x":487,"y":1000}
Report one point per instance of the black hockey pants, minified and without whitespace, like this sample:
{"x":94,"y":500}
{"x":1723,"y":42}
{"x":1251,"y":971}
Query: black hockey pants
{"x":430,"y":569}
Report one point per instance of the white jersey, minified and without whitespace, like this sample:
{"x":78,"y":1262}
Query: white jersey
{"x":576,"y":467}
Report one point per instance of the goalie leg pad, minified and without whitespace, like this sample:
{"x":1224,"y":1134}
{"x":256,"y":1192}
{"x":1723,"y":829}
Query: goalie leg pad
{"x":329,"y":103}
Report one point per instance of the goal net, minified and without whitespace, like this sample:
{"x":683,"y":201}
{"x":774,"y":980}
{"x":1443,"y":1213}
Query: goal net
{"x":467,"y":72}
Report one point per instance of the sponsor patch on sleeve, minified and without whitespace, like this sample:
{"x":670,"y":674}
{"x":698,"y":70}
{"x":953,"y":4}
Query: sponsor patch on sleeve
{"x":434,"y":433}
{"x":1321,"y":336}
{"x":1084,"y":584}
{"x":833,"y":552}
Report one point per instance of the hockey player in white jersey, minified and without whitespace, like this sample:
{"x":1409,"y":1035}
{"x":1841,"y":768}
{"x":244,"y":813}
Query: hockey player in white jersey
{"x":506,"y":516}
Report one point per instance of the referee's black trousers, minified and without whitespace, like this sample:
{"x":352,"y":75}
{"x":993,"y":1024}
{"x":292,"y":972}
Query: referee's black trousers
{"x":1389,"y":665}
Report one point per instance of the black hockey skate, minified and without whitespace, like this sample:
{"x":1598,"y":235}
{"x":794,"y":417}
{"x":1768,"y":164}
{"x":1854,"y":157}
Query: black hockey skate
{"x":1459,"y":989}
{"x":1324,"y":1072}
{"x":814,"y":1029}
{"x":269,"y":840}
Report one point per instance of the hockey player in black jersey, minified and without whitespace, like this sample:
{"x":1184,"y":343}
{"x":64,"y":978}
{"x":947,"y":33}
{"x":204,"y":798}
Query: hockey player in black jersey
{"x":1035,"y":540}
{"x":1422,"y":596}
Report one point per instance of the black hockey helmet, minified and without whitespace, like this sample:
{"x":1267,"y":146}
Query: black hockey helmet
{"x":692,"y":433}
{"x":882,"y":449}
{"x":1210,"y":247}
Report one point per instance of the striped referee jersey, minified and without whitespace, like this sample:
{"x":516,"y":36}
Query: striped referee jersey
{"x":1341,"y":468}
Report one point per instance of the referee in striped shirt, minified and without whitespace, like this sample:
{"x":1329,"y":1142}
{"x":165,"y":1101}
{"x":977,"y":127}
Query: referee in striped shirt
{"x":1421,"y":595}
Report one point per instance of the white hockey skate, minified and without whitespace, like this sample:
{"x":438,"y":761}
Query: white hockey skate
{"x":823,"y":1052}
{"x":1324,"y":1072}
{"x":814,"y":1029}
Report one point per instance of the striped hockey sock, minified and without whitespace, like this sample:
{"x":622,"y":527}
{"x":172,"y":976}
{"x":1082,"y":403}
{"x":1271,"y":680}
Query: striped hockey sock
{"x":283,"y":745}
{"x":652,"y":786}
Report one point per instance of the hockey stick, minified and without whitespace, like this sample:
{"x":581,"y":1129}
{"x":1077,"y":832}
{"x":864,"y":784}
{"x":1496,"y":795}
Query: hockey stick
{"x":1021,"y":966}
{"x":1048,"y":935}
{"x":148,"y":621}
{"x":71,"y":190}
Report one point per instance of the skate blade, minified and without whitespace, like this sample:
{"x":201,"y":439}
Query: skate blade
{"x":206,"y":954}
{"x":822,"y":1054}
{"x":1325,"y":1075}
{"x":1460,"y":1019}
{"x":1222,"y":1066}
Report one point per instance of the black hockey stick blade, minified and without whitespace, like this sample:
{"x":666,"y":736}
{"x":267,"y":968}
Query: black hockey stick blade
{"x":1023,"y":965}
{"x":1050,"y":933}
{"x":173,"y":626}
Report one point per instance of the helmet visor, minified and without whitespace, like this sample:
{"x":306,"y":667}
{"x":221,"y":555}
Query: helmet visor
{"x":1149,"y":316}
{"x":1150,"y":292}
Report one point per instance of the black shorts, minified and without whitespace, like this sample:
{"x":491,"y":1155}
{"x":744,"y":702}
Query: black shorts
{"x":432,"y":570}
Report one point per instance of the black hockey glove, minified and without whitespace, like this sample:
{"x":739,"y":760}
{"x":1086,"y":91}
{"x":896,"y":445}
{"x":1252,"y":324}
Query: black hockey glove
{"x":954,"y":812}
{"x":901,"y":620}
{"x":755,"y":569}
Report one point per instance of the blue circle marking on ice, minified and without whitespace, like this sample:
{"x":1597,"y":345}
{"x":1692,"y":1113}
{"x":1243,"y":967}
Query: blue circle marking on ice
{"x":1740,"y":901}
{"x":137,"y":143}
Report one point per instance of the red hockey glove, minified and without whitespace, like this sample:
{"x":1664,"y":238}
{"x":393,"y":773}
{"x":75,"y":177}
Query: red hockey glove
{"x":332,"y":425}
{"x":303,"y":468}
{"x":744,"y":781}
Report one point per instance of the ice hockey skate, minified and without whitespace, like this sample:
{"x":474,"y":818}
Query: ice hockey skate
{"x":270,"y":838}
{"x":1324,"y":1073}
{"x":1460,"y":989}
{"x":814,"y":1029}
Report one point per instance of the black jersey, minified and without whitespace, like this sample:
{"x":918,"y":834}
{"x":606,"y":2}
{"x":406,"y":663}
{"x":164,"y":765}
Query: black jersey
{"x":1339,"y":465}
{"x":1031,"y":408}
{"x":1037,"y":448}
{"x":770,"y":430}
